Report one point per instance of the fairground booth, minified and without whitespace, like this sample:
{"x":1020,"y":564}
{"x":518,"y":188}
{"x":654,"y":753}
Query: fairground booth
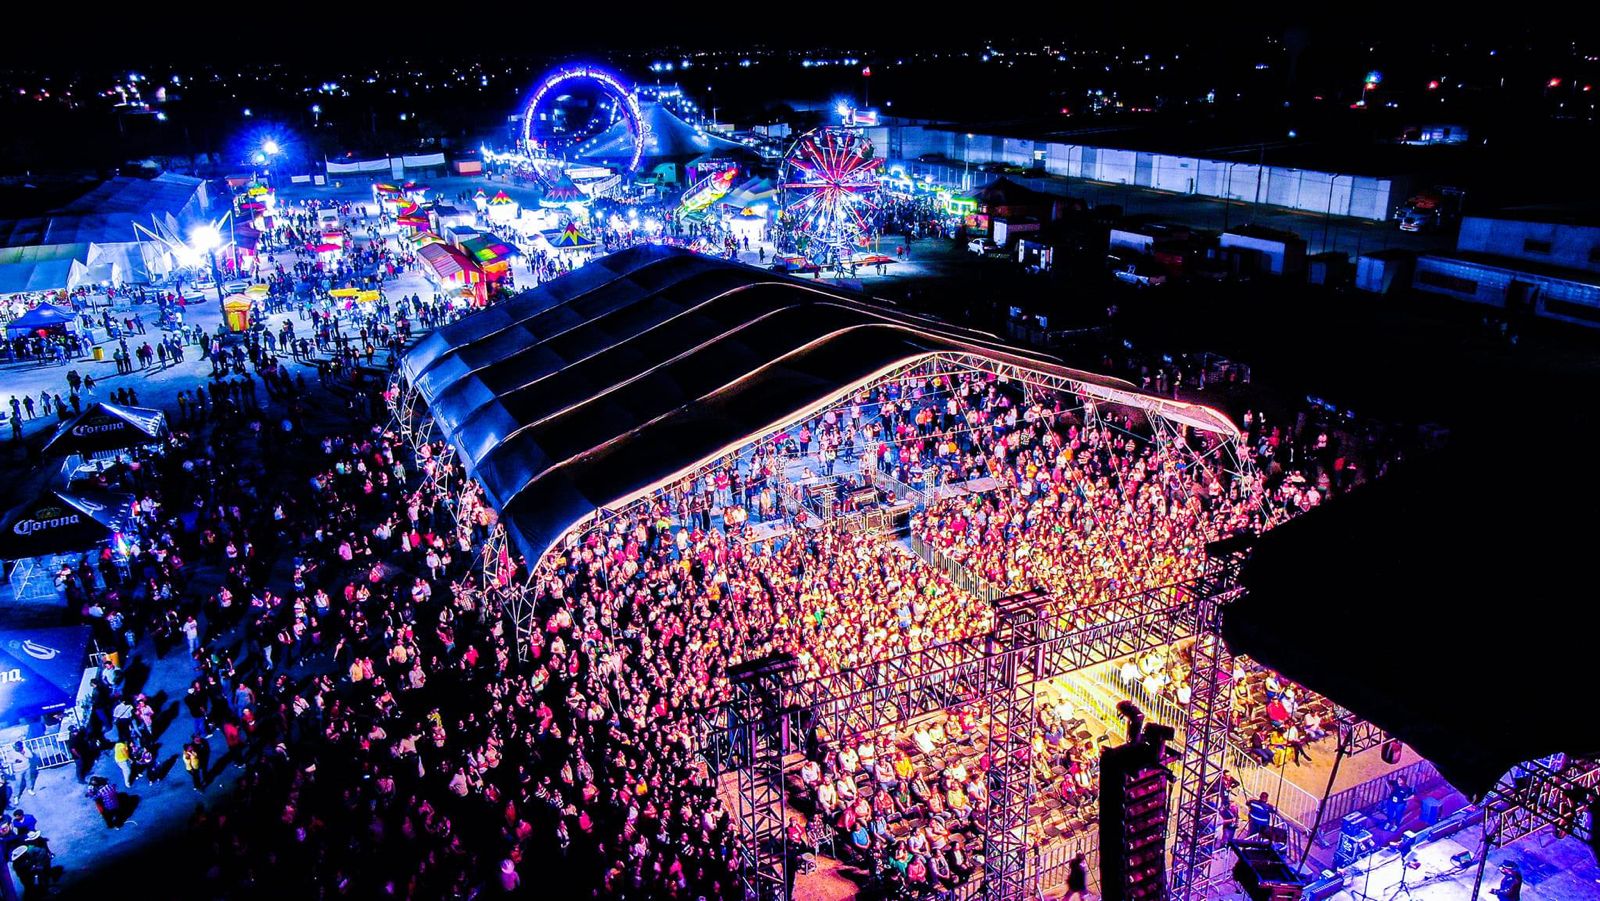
{"x":500,"y":208}
{"x":454,"y":271}
{"x":569,"y":244}
{"x":492,"y":255}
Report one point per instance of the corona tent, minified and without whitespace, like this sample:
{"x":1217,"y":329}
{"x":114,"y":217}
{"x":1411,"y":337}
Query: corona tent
{"x":108,"y":427}
{"x":56,"y":527}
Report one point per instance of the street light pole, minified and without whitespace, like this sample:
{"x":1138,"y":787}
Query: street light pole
{"x":966,"y":169}
{"x":216,"y":276}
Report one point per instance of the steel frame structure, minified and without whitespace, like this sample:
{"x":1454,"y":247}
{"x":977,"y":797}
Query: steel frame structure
{"x":1202,"y":788}
{"x":1038,"y":636}
{"x":1015,"y":646}
{"x":761,"y":710}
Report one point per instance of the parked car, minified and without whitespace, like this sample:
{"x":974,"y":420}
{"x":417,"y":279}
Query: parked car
{"x":982,"y":246}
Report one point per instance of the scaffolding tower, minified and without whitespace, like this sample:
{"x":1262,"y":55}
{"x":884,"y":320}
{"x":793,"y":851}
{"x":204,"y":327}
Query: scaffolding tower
{"x":761,"y":712}
{"x":1014,"y":654}
{"x":1202,"y":788}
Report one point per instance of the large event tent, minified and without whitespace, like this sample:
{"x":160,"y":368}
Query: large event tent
{"x":594,"y":388}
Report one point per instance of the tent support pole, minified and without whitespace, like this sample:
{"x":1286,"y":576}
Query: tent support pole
{"x":1322,"y":805}
{"x":1483,"y":856}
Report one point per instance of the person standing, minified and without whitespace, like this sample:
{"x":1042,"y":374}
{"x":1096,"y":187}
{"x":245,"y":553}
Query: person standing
{"x":25,"y":764}
{"x":1400,"y":795}
{"x":8,"y":843}
{"x":1260,"y":815}
{"x":82,"y":746}
{"x":1077,"y":880}
{"x":1510,"y":887}
{"x":122,"y":753}
{"x":195,"y":700}
{"x":195,"y":766}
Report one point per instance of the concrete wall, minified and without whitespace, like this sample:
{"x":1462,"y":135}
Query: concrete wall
{"x":1362,"y":197}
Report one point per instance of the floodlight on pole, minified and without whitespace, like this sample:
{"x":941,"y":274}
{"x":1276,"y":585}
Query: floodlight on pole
{"x":205,"y":239}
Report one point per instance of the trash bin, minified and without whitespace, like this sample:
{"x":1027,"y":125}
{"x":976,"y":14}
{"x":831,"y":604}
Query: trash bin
{"x":1431,"y":807}
{"x":99,"y":354}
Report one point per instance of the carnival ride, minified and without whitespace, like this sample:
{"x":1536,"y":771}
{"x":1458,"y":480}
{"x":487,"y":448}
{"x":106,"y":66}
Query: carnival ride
{"x":624,"y":104}
{"x":828,"y":192}
{"x":708,"y":190}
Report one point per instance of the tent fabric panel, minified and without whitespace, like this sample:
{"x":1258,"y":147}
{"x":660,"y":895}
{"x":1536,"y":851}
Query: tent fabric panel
{"x":553,"y":391}
{"x":593,"y":335}
{"x":1420,"y":563}
{"x":506,"y":350}
{"x":728,"y":353}
{"x":696,"y":432}
{"x":540,"y":391}
{"x":48,"y":667}
{"x":463,"y":333}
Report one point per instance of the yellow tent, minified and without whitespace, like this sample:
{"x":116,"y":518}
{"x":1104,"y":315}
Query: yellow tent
{"x":236,"y":310}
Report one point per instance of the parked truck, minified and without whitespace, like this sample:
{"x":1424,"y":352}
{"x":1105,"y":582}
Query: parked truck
{"x":1429,"y":210}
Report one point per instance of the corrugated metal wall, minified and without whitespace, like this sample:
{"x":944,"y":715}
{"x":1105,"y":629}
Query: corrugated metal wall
{"x":1362,"y":197}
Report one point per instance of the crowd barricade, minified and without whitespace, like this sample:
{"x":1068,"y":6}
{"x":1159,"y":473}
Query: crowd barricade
{"x":51,"y":750}
{"x":1368,"y":794}
{"x":1052,"y":862}
{"x":959,"y":573}
{"x":1296,"y":805}
{"x":1087,"y":700}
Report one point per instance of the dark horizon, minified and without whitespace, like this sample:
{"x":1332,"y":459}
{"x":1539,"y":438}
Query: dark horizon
{"x":341,"y":35}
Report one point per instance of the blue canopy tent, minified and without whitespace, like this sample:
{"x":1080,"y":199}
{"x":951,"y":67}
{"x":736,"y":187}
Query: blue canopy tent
{"x":43,"y":316}
{"x":40,"y":670}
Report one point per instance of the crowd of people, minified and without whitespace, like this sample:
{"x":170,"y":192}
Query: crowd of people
{"x":345,"y":650}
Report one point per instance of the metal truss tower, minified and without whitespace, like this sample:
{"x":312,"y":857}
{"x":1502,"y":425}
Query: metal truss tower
{"x":1202,"y":793}
{"x":1014,"y":657}
{"x":760,"y":716}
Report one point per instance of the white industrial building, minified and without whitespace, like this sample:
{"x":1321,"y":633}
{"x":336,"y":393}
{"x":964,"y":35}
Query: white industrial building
{"x":1542,"y":264}
{"x":1359,"y":196}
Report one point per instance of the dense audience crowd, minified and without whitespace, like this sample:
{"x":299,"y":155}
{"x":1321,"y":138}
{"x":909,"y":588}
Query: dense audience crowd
{"x":345,"y":650}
